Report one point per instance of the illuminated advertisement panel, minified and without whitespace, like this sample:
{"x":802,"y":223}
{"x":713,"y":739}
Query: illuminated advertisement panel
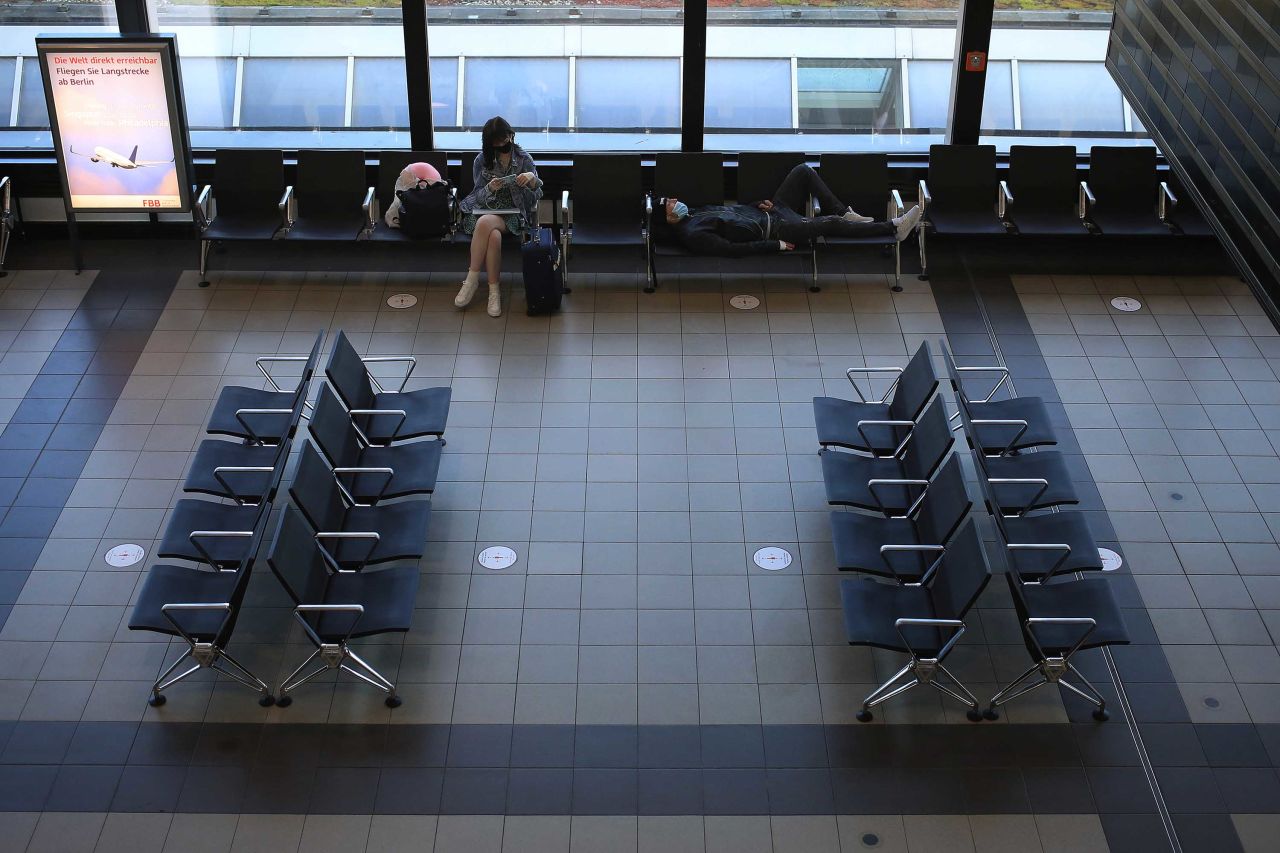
{"x":115,"y":108}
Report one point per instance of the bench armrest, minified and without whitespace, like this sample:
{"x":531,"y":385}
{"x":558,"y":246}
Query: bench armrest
{"x":389,"y":359}
{"x":370,"y":208}
{"x":1166,"y":201}
{"x":401,"y":413}
{"x":203,"y":210}
{"x":1084,"y":622}
{"x":286,"y":206}
{"x":1004,"y":200}
{"x":892,"y":423}
{"x":184,"y":607}
{"x":1087,"y":200}
{"x":300,"y":613}
{"x":262,"y":360}
{"x":388,"y":474}
{"x":253,"y":434}
{"x":995,"y":368}
{"x":848,"y":374}
{"x":1014,"y":547}
{"x":1018,"y":422}
{"x":872,"y":484}
{"x":329,"y":558}
{"x":238,"y":469}
{"x":196,"y":535}
{"x":954,"y":624}
{"x":886,"y":550}
{"x":896,"y":207}
{"x":1020,"y":481}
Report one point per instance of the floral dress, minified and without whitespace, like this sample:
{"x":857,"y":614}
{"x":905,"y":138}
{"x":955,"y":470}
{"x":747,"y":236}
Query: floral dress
{"x":502,"y":199}
{"x":507,"y":197}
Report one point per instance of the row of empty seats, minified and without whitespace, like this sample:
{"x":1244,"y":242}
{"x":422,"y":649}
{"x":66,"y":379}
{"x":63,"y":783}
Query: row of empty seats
{"x":345,"y":517}
{"x":1041,"y":194}
{"x":917,"y":547}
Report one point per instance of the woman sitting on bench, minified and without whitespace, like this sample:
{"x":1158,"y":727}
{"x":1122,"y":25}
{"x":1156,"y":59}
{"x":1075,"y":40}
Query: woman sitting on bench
{"x":505,"y":198}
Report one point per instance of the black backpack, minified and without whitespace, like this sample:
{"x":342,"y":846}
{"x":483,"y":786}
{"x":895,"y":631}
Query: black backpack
{"x":426,"y":210}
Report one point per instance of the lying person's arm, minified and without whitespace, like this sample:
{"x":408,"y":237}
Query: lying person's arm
{"x":710,"y":243}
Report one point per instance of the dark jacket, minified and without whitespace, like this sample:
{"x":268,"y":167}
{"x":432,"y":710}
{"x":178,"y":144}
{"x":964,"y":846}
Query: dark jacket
{"x":730,"y":230}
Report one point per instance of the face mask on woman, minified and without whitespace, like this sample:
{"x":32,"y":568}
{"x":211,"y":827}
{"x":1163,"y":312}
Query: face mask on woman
{"x":504,"y":148}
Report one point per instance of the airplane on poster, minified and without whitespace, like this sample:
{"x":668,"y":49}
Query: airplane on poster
{"x":119,"y":161}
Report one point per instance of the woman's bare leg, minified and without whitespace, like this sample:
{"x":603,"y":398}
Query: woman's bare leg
{"x":493,"y":266}
{"x":480,"y":240}
{"x":493,"y":257}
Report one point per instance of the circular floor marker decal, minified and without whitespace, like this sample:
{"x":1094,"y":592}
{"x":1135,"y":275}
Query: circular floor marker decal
{"x":1110,"y":559}
{"x":402,"y":300}
{"x":744,"y":302}
{"x":497,"y":558}
{"x":1125,"y":303}
{"x":123,"y":556}
{"x":773,"y":559}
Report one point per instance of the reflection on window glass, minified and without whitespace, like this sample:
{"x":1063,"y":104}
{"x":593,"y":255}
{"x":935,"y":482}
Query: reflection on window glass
{"x":8,"y":67}
{"x":748,"y":93}
{"x":929,"y":81}
{"x":444,"y":91}
{"x":848,"y":93}
{"x":997,"y":97}
{"x":311,"y":69}
{"x":528,"y":93}
{"x":930,"y":85}
{"x":628,"y":93}
{"x":209,"y":85}
{"x":1069,"y":96}
{"x":32,"y":111}
{"x":294,"y":92}
{"x":378,"y":93}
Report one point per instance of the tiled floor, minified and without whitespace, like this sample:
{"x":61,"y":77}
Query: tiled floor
{"x":635,"y":451}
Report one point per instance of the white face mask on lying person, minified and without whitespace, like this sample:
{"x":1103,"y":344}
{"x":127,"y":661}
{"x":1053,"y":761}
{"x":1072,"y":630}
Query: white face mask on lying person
{"x":680,"y":209}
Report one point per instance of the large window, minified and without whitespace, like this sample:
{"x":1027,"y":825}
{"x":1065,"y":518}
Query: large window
{"x":295,"y":74}
{"x":531,"y":94}
{"x":930,"y":88}
{"x":568,"y":76}
{"x":805,"y":75}
{"x":1061,"y":91}
{"x":622,"y":93}
{"x":444,"y":92}
{"x":748,"y":93}
{"x":812,"y":75}
{"x":849,"y":94}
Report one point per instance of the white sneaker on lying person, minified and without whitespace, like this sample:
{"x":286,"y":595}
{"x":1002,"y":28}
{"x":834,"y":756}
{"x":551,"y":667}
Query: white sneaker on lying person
{"x":907,"y":222}
{"x":851,"y":216}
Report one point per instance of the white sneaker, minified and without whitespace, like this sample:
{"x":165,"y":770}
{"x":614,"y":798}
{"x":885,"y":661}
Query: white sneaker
{"x":466,"y":294}
{"x":907,"y":222}
{"x":851,"y":216}
{"x":495,"y":301}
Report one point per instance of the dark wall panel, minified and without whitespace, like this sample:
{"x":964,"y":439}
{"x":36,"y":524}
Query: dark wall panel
{"x":1204,"y":76}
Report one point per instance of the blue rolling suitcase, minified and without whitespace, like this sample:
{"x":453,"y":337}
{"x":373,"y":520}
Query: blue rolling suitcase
{"x":543,"y":272}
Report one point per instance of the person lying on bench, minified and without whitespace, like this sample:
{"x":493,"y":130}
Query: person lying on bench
{"x":776,"y":225}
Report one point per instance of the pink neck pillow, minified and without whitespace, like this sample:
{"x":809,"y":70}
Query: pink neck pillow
{"x":423,"y":172}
